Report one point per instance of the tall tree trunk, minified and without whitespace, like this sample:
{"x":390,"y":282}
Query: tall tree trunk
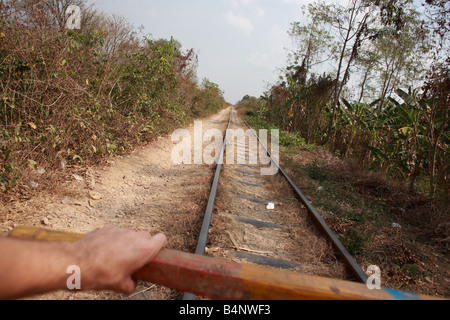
{"x":363,"y":85}
{"x":336,"y":94}
{"x":340,"y":84}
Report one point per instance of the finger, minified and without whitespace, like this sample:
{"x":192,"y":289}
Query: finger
{"x":145,"y":235}
{"x":108,"y":228}
{"x":160,"y":240}
{"x":156,"y":244}
{"x":128,"y":286}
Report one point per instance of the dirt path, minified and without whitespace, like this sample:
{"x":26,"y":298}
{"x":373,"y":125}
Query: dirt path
{"x":143,"y":191}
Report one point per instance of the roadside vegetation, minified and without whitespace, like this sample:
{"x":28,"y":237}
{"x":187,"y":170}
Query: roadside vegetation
{"x":368,"y":139}
{"x":377,"y":217}
{"x":74,"y":98}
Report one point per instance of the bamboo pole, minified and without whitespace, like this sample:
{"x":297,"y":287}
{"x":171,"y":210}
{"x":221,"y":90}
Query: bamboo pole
{"x":226,"y":280}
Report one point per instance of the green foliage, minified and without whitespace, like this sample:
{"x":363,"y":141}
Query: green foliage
{"x":287,"y":139}
{"x":354,"y":241}
{"x":9,"y":172}
{"x":255,"y":110}
{"x":401,"y":138}
{"x":357,"y":216}
{"x":85,"y":96}
{"x":299,"y":104}
{"x":318,"y":172}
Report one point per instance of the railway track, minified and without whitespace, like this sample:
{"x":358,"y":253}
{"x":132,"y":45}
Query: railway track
{"x":253,"y":205}
{"x":261,"y":239}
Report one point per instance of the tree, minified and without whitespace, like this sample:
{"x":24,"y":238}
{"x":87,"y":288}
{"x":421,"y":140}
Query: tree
{"x":350,"y":27}
{"x":402,"y":55}
{"x":51,"y":13}
{"x":312,"y":41}
{"x":367,"y":61}
{"x":437,"y":13}
{"x":436,"y":98}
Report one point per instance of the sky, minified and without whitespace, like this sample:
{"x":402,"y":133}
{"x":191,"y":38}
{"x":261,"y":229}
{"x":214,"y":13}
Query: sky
{"x":241,"y":43}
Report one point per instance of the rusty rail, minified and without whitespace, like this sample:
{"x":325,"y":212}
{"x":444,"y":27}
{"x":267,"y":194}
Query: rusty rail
{"x":226,"y":280}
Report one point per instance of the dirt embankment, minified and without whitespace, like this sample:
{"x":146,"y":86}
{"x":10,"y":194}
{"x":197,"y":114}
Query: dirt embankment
{"x":142,"y":191}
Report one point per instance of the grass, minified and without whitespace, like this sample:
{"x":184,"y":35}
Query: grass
{"x":360,"y":207}
{"x":287,"y":139}
{"x":318,"y":172}
{"x":355,"y":242}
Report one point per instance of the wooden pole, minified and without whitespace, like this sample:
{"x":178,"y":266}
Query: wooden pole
{"x":226,"y":280}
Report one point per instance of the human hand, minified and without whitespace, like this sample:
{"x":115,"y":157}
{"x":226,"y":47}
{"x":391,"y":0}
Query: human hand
{"x":109,"y":257}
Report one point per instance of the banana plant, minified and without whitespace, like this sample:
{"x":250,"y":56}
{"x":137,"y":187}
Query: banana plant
{"x":352,"y":116}
{"x":410,"y":126}
{"x":385,"y":132}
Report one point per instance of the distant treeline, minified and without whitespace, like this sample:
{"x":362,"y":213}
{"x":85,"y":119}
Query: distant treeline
{"x":78,"y":86}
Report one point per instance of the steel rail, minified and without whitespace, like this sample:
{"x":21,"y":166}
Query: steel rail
{"x":351,"y":263}
{"x":203,"y":237}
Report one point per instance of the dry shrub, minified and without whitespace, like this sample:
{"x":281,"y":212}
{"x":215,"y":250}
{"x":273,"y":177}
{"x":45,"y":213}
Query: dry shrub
{"x":374,"y":183}
{"x":428,"y":217}
{"x":82,"y":96}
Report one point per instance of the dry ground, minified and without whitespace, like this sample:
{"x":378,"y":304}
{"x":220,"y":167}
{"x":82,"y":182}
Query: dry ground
{"x":142,"y":191}
{"x":380,"y":220}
